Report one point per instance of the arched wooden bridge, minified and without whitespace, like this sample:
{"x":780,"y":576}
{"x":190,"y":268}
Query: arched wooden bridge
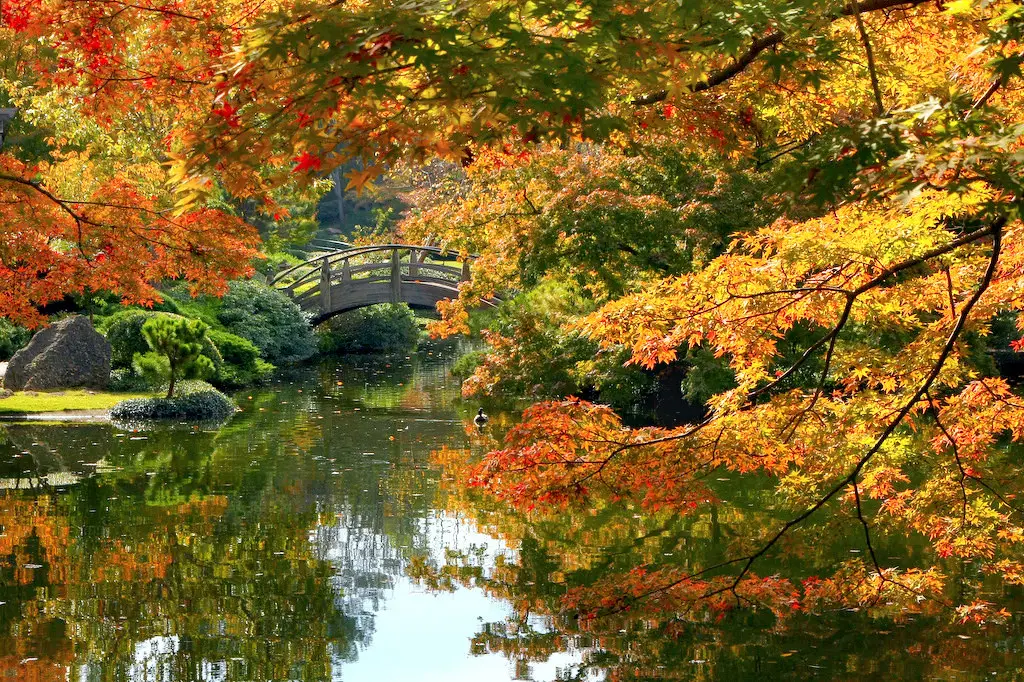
{"x":357,"y":276}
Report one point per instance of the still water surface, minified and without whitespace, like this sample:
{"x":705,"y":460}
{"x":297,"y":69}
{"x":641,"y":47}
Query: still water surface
{"x":316,"y":537}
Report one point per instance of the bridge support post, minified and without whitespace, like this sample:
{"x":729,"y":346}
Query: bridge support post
{"x":396,"y":277}
{"x":413,"y":264}
{"x":346,"y":272}
{"x":465,"y":271}
{"x":325,"y":287}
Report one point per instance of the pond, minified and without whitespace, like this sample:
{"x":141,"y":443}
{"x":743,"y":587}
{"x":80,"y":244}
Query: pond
{"x":319,"y":536}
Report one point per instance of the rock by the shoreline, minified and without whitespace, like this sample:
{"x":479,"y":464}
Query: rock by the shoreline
{"x":67,"y":354}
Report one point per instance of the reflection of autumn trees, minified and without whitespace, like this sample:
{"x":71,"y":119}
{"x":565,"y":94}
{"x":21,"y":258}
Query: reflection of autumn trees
{"x":264,"y":548}
{"x":159,"y":551}
{"x":563,"y":564}
{"x":33,"y":539}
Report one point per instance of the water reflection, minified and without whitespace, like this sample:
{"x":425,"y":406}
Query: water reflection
{"x":319,"y":536}
{"x":591,"y":551}
{"x":267,"y":550}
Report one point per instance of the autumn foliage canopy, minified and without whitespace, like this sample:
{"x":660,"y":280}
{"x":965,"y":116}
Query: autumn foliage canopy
{"x":850,"y":319}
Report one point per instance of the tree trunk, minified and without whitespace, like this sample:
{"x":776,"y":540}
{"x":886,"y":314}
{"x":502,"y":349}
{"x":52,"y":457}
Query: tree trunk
{"x":339,"y":196}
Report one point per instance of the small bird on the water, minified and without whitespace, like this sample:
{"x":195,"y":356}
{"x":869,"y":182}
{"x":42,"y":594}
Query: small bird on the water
{"x":480,"y":419}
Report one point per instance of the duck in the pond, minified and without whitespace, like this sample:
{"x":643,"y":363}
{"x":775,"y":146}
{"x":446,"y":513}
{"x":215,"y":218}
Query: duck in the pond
{"x":480,"y":419}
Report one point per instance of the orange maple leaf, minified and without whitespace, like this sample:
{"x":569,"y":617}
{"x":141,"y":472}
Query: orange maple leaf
{"x":358,"y":179}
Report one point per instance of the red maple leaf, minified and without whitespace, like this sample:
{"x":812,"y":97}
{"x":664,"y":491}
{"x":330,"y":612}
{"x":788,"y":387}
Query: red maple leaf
{"x":228,"y":113}
{"x":306,"y":162}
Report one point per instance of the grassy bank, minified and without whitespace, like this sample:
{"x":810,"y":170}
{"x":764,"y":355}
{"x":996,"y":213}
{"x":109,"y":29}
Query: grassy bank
{"x":31,"y":402}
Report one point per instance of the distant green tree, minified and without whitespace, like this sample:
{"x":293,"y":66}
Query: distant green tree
{"x":176,"y":351}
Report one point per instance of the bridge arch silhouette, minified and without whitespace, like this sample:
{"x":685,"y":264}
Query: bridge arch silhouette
{"x":354,"y":277}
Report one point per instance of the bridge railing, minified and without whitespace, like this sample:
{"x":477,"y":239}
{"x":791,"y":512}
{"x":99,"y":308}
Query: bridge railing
{"x":311,"y":284}
{"x":297,"y":275}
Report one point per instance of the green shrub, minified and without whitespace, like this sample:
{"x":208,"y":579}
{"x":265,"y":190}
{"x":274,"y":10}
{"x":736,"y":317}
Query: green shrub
{"x":196,"y":401}
{"x":123,"y":330}
{"x":384,"y":328}
{"x":205,"y":308}
{"x":12,"y":338}
{"x":467,"y":364}
{"x":125,"y":380}
{"x":168,"y":305}
{"x":269,"y":319}
{"x":242,"y":365}
{"x":234,"y":349}
{"x":176,"y":353}
{"x":275,"y":262}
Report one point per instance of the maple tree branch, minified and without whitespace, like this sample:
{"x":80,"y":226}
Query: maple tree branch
{"x":831,"y":337}
{"x":947,"y":349}
{"x":993,"y":87}
{"x":759,"y":45}
{"x":867,"y":536}
{"x":77,"y":217}
{"x":987,"y":95}
{"x":964,"y":475}
{"x":63,"y":205}
{"x":949,"y":290}
{"x":788,"y":150}
{"x":66,"y":205}
{"x":882,"y":577}
{"x":956,"y":456}
{"x":797,"y":419}
{"x":998,"y":397}
{"x":879,"y":279}
{"x":748,"y":561}
{"x":164,"y":10}
{"x":870,"y":54}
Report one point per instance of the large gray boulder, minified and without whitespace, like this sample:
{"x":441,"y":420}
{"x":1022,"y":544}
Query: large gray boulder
{"x":67,"y":354}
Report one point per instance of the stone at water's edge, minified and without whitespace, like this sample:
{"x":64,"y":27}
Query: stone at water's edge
{"x":67,"y":354}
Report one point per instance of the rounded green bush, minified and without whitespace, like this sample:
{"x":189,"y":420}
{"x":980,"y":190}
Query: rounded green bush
{"x":467,"y":364}
{"x":195,"y":401}
{"x":233,"y":348}
{"x":123,"y":330}
{"x":236,"y":360}
{"x":384,"y":328}
{"x":242,"y":364}
{"x":268,"y":319}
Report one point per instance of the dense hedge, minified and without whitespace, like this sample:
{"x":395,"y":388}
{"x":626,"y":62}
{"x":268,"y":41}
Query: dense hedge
{"x":195,"y":401}
{"x":269,"y":319}
{"x":123,"y":330}
{"x":384,"y":328}
{"x":254,"y":327}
